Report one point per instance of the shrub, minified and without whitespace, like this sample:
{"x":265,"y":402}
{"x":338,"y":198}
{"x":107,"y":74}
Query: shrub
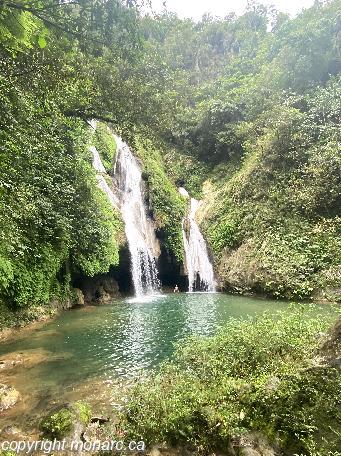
{"x":105,"y":144}
{"x":254,"y":375}
{"x":58,"y":425}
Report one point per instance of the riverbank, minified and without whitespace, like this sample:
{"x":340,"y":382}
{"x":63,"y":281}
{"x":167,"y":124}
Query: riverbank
{"x":14,"y":322}
{"x":91,"y":351}
{"x":98,"y":290}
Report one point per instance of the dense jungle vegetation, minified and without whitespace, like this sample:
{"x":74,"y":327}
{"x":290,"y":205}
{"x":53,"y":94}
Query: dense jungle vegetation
{"x":261,"y":119}
{"x":249,"y":106}
{"x":242,"y":111}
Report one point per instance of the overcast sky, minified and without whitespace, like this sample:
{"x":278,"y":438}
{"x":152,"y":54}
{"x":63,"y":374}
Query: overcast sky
{"x":196,"y":8}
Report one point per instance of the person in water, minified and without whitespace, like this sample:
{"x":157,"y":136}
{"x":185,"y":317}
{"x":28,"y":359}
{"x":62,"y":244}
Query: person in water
{"x":176,"y":289}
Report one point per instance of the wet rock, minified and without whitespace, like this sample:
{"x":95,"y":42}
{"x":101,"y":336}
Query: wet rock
{"x":11,"y":360}
{"x":29,"y":358}
{"x":8,"y":397}
{"x":99,"y":419}
{"x":99,"y":289}
{"x":80,"y":301}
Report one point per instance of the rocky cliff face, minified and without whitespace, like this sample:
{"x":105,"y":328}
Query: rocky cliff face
{"x":100,"y":289}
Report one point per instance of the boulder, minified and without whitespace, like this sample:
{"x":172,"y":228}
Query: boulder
{"x":8,"y":397}
{"x":255,"y":445}
{"x":79,"y":297}
{"x":99,"y":289}
{"x":330,"y":350}
{"x":248,"y":451}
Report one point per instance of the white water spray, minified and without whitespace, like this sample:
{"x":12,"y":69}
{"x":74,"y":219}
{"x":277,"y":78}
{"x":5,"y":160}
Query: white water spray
{"x":199,"y":267}
{"x":142,"y":242}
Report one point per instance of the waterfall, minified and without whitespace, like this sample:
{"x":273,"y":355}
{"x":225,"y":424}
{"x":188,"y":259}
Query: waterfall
{"x":97,"y":162}
{"x":102,"y":183}
{"x":199,"y":267}
{"x":142,"y":242}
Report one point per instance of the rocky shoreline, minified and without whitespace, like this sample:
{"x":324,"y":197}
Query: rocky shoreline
{"x":98,"y":290}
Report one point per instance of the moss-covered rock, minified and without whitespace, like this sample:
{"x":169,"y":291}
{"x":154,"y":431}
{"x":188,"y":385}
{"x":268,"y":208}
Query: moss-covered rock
{"x":58,"y":425}
{"x":68,"y":420}
{"x":84,"y":411}
{"x":165,"y":202}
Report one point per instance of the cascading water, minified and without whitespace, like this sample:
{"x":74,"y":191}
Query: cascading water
{"x":102,"y":183}
{"x":142,"y":242}
{"x":199,"y":267}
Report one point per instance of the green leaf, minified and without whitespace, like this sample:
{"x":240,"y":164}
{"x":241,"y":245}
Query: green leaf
{"x":42,"y":42}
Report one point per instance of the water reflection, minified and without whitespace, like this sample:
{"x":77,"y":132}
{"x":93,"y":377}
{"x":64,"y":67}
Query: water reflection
{"x":201,"y":317}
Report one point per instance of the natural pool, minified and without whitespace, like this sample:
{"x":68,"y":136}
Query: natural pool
{"x":86,"y":353}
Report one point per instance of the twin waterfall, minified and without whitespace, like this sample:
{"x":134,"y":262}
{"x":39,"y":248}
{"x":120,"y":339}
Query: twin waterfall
{"x":199,"y":267}
{"x":128,"y":196}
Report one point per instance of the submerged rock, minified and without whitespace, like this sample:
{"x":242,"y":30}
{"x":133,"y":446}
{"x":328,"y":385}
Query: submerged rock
{"x":8,"y":397}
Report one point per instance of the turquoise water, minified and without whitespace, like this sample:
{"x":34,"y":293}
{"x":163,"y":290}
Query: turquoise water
{"x":113,"y":342}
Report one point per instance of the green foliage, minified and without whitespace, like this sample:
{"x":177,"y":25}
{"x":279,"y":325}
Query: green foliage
{"x":84,"y":411}
{"x":167,"y":205}
{"x":19,"y":30}
{"x":279,"y":208}
{"x":254,"y":375}
{"x":105,"y":144}
{"x":185,"y":171}
{"x":97,"y":246}
{"x":58,"y":425}
{"x":222,"y":235}
{"x":54,"y":220}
